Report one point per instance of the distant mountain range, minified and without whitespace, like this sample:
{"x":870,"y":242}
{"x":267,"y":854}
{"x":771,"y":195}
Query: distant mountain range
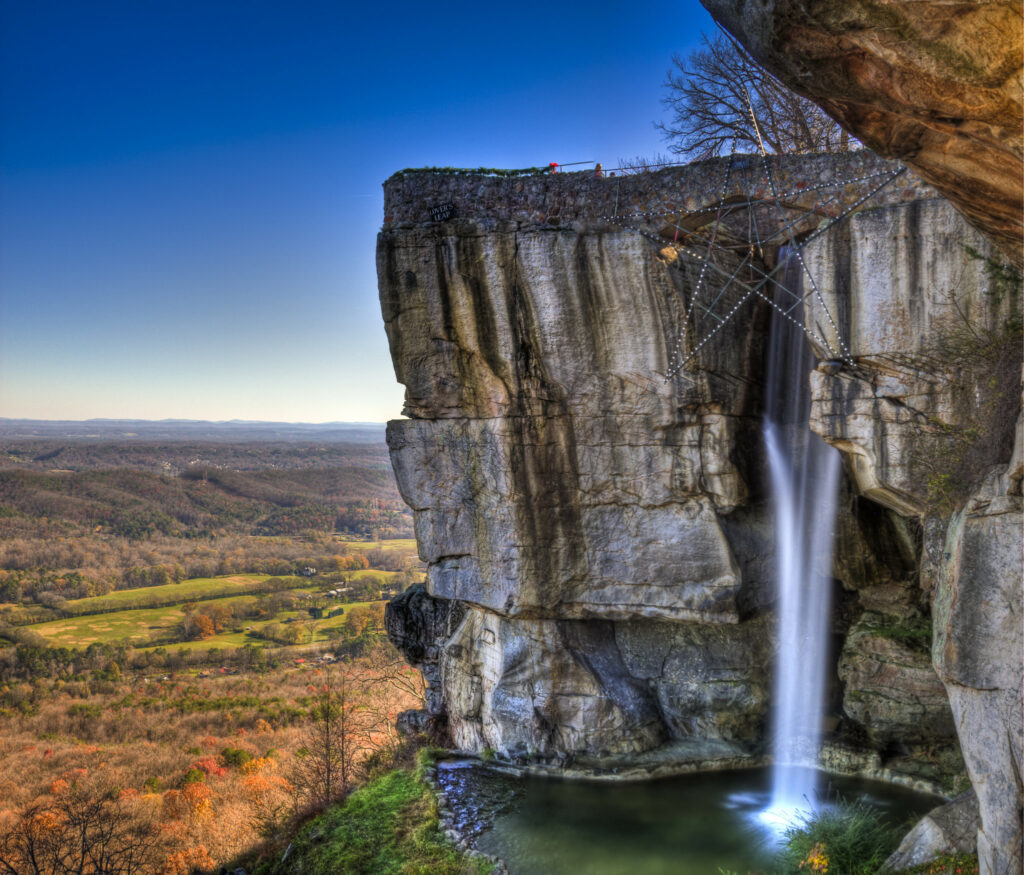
{"x":191,"y":430}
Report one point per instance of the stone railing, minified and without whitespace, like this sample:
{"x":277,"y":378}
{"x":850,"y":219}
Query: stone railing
{"x":569,"y":198}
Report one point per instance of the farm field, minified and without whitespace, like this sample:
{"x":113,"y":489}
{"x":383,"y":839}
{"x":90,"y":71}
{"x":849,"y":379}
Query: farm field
{"x":136,"y":625}
{"x":404,"y":546}
{"x":202,"y":588}
{"x":139,"y":625}
{"x":168,"y":593}
{"x":319,"y":630}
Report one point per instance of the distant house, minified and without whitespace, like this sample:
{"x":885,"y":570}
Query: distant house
{"x":308,"y":571}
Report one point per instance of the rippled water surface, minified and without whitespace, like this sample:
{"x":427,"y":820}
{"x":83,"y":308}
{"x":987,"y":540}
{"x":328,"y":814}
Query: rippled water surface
{"x":689,"y":825}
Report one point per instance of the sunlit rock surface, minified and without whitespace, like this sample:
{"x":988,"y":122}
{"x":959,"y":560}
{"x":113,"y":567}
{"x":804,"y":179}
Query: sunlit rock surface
{"x":935,"y":84}
{"x":568,"y":492}
{"x":598,"y":538}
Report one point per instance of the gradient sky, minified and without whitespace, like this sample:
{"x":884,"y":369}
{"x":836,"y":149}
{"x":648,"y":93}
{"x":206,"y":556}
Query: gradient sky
{"x":190,"y":191}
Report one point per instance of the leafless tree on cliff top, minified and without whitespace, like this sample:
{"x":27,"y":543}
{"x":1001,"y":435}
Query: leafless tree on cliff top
{"x":707,"y":94}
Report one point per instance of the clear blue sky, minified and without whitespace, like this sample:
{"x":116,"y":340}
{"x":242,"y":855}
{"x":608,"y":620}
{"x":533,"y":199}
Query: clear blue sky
{"x":190,"y":191}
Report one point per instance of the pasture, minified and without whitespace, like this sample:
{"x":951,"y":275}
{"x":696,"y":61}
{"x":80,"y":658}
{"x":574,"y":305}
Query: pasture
{"x":194,"y":589}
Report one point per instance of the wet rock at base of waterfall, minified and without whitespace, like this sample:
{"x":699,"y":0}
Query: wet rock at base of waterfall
{"x":890,"y":686}
{"x":949,"y":829}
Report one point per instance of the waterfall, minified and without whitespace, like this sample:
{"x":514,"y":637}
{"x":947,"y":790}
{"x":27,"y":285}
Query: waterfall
{"x":804,"y":482}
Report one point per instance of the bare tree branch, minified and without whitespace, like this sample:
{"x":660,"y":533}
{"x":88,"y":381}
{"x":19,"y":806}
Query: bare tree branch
{"x":708,"y":97}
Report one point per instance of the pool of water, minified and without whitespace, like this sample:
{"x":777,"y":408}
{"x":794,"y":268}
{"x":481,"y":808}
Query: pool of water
{"x":688,"y":825}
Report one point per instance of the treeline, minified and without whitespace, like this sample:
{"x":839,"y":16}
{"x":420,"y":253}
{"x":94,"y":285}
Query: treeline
{"x":203,"y":502}
{"x":173,"y":457}
{"x":32,"y":568}
{"x":103,"y":663}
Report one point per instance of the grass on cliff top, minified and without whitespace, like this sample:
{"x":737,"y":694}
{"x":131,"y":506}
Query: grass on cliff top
{"x":387,"y":827}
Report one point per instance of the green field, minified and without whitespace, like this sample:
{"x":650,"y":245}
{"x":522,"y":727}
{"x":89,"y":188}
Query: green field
{"x":137,"y":624}
{"x":240,"y":639}
{"x":169,"y":594}
{"x":200,"y":589}
{"x":141,"y":624}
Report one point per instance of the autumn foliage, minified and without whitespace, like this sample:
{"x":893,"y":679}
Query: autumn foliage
{"x":184,"y":774}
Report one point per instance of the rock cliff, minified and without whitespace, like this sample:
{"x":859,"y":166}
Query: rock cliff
{"x":928,"y":422}
{"x":933,"y":83}
{"x":597,"y":536}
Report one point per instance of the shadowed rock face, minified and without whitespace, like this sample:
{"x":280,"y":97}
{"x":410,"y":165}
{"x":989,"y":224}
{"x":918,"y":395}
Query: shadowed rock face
{"x":916,"y":306}
{"x":935,"y":84}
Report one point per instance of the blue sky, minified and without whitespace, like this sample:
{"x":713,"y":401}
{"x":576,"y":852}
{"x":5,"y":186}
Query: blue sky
{"x":190,"y":191}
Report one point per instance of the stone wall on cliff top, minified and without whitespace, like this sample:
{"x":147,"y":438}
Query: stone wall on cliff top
{"x":603,"y":530}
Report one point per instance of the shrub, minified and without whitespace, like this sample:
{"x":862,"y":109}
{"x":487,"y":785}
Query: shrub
{"x":850,"y":839}
{"x":192,"y":776}
{"x":235,"y":757}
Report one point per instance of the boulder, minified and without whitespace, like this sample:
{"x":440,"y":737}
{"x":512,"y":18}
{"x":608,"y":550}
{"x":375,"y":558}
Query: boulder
{"x":949,"y":829}
{"x":890,"y":687}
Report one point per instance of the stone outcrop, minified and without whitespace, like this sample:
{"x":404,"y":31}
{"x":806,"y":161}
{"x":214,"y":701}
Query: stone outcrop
{"x":979,"y":654}
{"x":916,"y":305}
{"x":563,"y":489}
{"x":948,"y":829}
{"x":890,"y":686}
{"x":929,"y":409}
{"x":597,"y":537}
{"x":934,"y":84}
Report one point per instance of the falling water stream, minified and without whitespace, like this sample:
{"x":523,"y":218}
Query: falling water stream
{"x":804,"y":474}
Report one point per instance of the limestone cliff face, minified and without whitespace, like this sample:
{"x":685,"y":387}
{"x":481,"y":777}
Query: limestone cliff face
{"x":567,"y":493}
{"x":936,"y":84}
{"x":929,"y":422}
{"x":597,"y":537}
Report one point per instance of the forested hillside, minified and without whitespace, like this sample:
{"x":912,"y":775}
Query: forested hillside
{"x":79,"y":518}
